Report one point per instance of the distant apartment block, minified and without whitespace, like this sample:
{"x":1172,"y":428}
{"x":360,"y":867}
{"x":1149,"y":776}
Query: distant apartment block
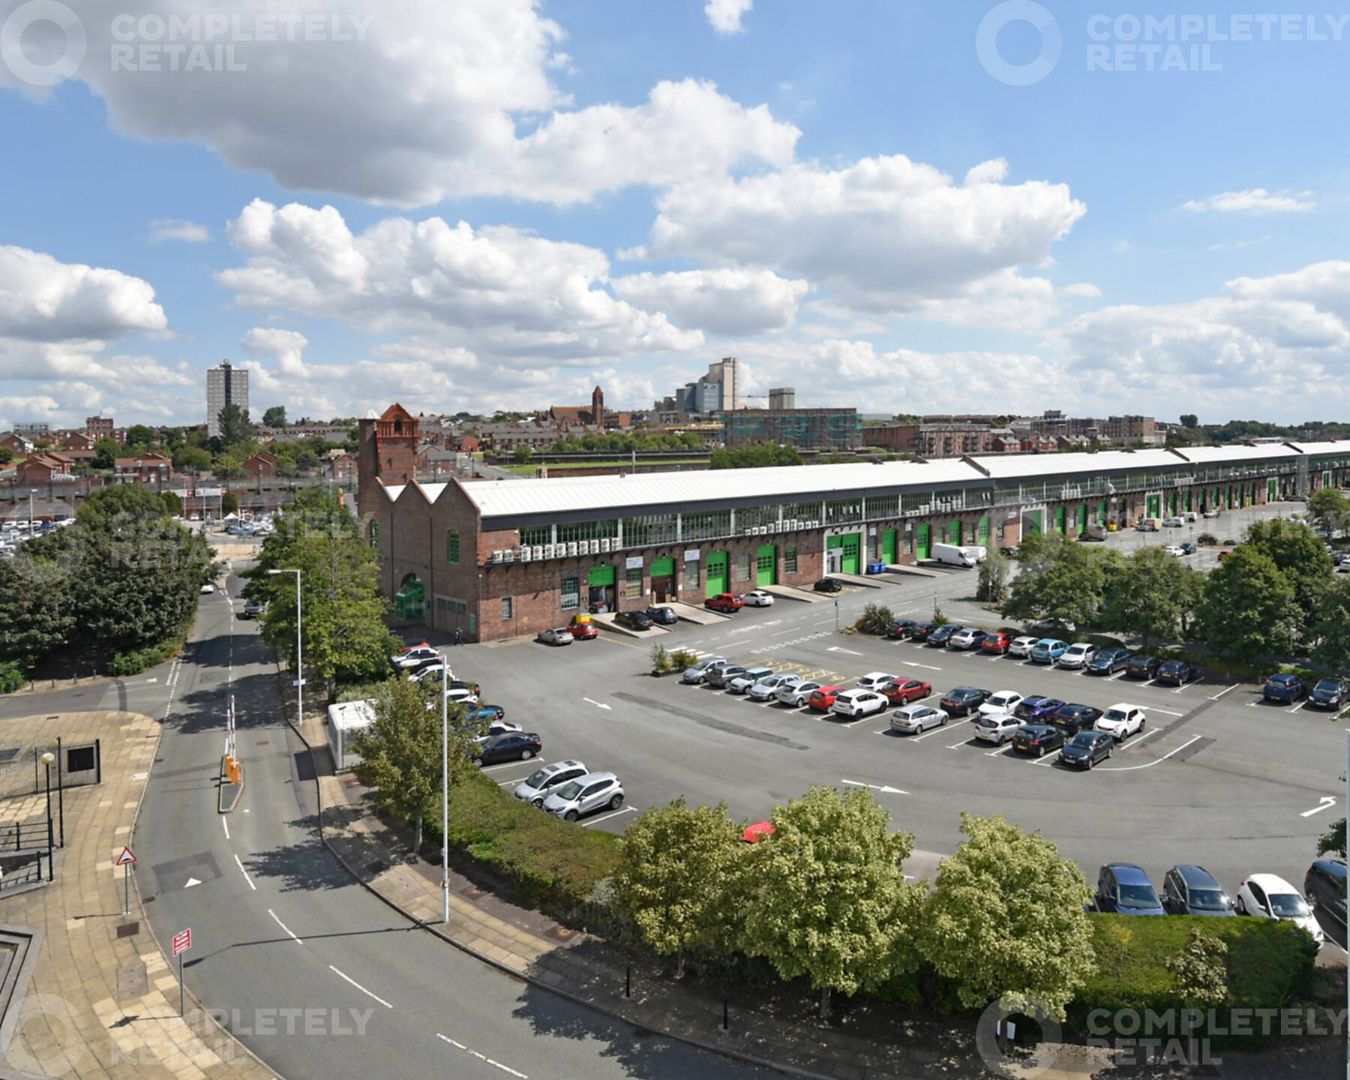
{"x":100,"y":427}
{"x":782,"y":398}
{"x":809,"y":429}
{"x":225,"y":385}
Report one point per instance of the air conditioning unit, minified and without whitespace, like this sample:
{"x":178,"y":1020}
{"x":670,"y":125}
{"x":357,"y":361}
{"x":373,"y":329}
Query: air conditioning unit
{"x":525,"y":554}
{"x":607,"y":544}
{"x":571,"y":547}
{"x":509,"y":555}
{"x":497,"y":556}
{"x":538,"y":550}
{"x":550,"y":551}
{"x":595,"y":546}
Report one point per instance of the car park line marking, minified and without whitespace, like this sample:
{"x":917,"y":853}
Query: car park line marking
{"x":284,"y":927}
{"x":1137,"y":739}
{"x":606,"y":817}
{"x":1298,"y":707}
{"x":1165,"y":712}
{"x":597,"y":704}
{"x":245,"y":873}
{"x":1222,"y":692}
{"x":1328,"y":801}
{"x":925,"y":735}
{"x":1048,"y":760}
{"x":839,"y":648}
{"x":1002,"y":749}
{"x":506,"y":765}
{"x":226,"y":826}
{"x":963,"y":742}
{"x":348,"y":978}
{"x":1150,"y":764}
{"x":926,"y":667}
{"x":885,"y":789}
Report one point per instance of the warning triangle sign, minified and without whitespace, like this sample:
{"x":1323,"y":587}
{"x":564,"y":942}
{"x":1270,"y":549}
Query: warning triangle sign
{"x":126,"y":858}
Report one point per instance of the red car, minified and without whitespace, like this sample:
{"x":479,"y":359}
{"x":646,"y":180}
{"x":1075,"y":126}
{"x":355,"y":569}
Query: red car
{"x":726,"y":602}
{"x":907,"y":690}
{"x":823,"y":699}
{"x":996,"y":644}
{"x":584,"y":631}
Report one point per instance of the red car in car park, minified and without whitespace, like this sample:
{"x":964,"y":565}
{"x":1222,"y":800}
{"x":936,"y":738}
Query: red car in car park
{"x":903,"y":691}
{"x":726,"y":602}
{"x":995,"y":644}
{"x":823,"y":699}
{"x":583,"y":630}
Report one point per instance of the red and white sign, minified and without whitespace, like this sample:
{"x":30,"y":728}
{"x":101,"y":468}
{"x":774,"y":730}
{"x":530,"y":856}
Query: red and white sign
{"x":182,"y":941}
{"x":126,"y":858}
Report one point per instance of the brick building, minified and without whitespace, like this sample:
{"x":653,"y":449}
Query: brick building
{"x":261,"y":466}
{"x":145,"y":469}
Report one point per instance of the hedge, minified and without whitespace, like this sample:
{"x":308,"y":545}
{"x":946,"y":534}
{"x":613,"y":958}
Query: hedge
{"x":11,"y":678}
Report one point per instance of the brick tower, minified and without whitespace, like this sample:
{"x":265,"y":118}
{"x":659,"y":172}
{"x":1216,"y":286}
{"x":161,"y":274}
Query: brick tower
{"x":386,"y":453}
{"x":598,"y":408}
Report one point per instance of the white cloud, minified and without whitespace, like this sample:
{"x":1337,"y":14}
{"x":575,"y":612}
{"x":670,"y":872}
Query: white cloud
{"x":1083,"y":290}
{"x":1254,"y":201}
{"x":285,"y":347}
{"x":727,"y":301}
{"x":45,"y":300}
{"x":187,"y":232}
{"x":725,"y":15}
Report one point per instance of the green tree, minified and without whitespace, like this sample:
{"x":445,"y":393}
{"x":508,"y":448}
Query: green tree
{"x":1199,"y":971}
{"x":1248,"y":609}
{"x":172,"y":503}
{"x":830,"y":901}
{"x":235,"y":427}
{"x":993,"y":581}
{"x":229,"y":503}
{"x":675,"y":880}
{"x":37,"y":609}
{"x":1060,"y":581}
{"x":1190,"y":420}
{"x":275,"y":417}
{"x":1006,"y":920}
{"x":228,"y":466}
{"x":1298,"y":552}
{"x":1329,"y":509}
{"x":522,"y":455}
{"x":194,"y":459}
{"x":1332,"y":842}
{"x":6,"y":455}
{"x":140,"y":438}
{"x":106,"y":453}
{"x":1152,"y":595}
{"x":1329,"y":631}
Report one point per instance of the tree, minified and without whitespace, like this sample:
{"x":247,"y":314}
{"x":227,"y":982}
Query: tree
{"x":172,"y":503}
{"x":140,"y":438}
{"x":194,"y":459}
{"x":1329,"y":630}
{"x":1329,"y":510}
{"x":522,"y":455}
{"x":37,"y":610}
{"x":1006,"y":920}
{"x":1332,"y":842}
{"x":235,"y":427}
{"x":227,"y":466}
{"x":830,"y":901}
{"x":1298,"y":552}
{"x":1199,"y":970}
{"x":675,"y":877}
{"x":1060,"y":581}
{"x":1248,"y":609}
{"x":229,"y":503}
{"x":994,"y":573}
{"x":1152,"y":595}
{"x":275,"y":417}
{"x":6,"y":455}
{"x":106,"y":452}
{"x":1190,"y":420}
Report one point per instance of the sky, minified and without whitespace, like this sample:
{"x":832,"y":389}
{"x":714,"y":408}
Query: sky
{"x":904,"y":206}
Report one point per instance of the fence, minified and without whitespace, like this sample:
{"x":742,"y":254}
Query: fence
{"x":73,"y":765}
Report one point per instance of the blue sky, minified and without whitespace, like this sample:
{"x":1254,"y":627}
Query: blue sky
{"x":527,"y":199}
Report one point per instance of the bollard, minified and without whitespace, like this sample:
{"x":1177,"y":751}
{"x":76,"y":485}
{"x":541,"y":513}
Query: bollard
{"x":726,"y":1016}
{"x":628,"y":981}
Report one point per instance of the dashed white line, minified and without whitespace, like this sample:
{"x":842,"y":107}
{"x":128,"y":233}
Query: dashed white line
{"x":248,"y":879}
{"x":225,"y":824}
{"x":348,"y":978}
{"x":284,"y":927}
{"x":481,"y":1057}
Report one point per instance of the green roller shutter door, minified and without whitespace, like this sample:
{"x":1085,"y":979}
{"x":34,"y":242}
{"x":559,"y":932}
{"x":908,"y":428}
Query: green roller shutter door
{"x":954,"y":532}
{"x":1082,"y":518}
{"x":1062,"y":520}
{"x":1153,"y":506}
{"x":663,"y":568}
{"x":1101,"y":512}
{"x":1272,"y":490}
{"x":888,"y":548}
{"x":1188,"y":500}
{"x":982,"y":532}
{"x":922,"y":544}
{"x":601,"y":575}
{"x":766,"y":565}
{"x":852,"y":563}
{"x":1033,"y":521}
{"x":718,"y":573}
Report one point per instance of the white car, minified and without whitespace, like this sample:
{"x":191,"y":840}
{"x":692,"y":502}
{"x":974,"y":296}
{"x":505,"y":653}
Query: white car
{"x":964,"y":639}
{"x":857,"y":703}
{"x":996,"y":728}
{"x":536,"y":787}
{"x":696,"y":673}
{"x":1175,"y":550}
{"x":559,"y":635}
{"x":758,"y":598}
{"x":767,"y":689}
{"x":435,"y":672}
{"x":1004,"y":701}
{"x":1121,"y":721}
{"x":797,"y":694}
{"x":1190,"y":515}
{"x":875,"y":680}
{"x":913,"y":719}
{"x":1173,"y":522}
{"x":741,"y":683}
{"x":411,"y":658}
{"x":1211,"y":513}
{"x":1022,"y":646}
{"x":585,"y":795}
{"x":1077,"y":656}
{"x":496,"y":727}
{"x":1270,"y":897}
{"x":208,"y":588}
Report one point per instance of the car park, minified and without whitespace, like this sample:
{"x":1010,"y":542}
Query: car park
{"x":1086,"y":749}
{"x":536,"y":787}
{"x":758,"y":598}
{"x":1001,"y":701}
{"x":828,"y":585}
{"x":1121,"y":721}
{"x":663,"y":615}
{"x":1071,"y":719}
{"x":899,"y":629}
{"x":1076,"y":656}
{"x":920,"y":631}
{"x":766,"y":689}
{"x":965,"y":639}
{"x":633,"y":620}
{"x":559,"y":635}
{"x":796,"y":694}
{"x":915,"y":719}
{"x":995,"y":644}
{"x":1037,"y":739}
{"x":1285,"y":689}
{"x":1324,"y":886}
{"x":1327,"y":694}
{"x":963,"y":700}
{"x":509,"y":746}
{"x":876,"y":680}
{"x":1124,"y":889}
{"x":741,"y":683}
{"x":940,"y":635}
{"x":585,"y":795}
{"x":1108,"y":661}
{"x":415,"y":656}
{"x":697,"y":672}
{"x":1192,"y":890}
{"x":722,"y":674}
{"x":1268,"y":896}
{"x":858,"y":703}
{"x":1022,"y":646}
{"x":1142,"y":667}
{"x":996,"y":728}
{"x":903,"y":691}
{"x":1176,"y":673}
{"x":823,"y":698}
{"x":1035,"y":709}
{"x":727,"y":603}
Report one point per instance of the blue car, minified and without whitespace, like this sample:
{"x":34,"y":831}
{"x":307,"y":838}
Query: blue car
{"x":1286,"y":689}
{"x":1125,"y":889}
{"x":1048,"y":650}
{"x":1036,"y":710}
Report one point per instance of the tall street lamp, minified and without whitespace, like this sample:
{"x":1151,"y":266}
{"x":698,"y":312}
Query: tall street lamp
{"x":299,"y":657}
{"x":47,"y":758}
{"x":445,"y":787}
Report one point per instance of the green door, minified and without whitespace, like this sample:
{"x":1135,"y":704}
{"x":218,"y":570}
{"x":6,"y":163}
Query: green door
{"x":1188,"y":500}
{"x":982,"y":532}
{"x":954,"y":532}
{"x":1101,"y":512}
{"x":888,"y":549}
{"x":1326,"y":478}
{"x":719,"y":575}
{"x":852,"y":553}
{"x":663,"y":568}
{"x":766,"y":565}
{"x":1272,"y":490}
{"x":1033,"y":522}
{"x":1153,"y":506}
{"x":601,"y":576}
{"x":922,"y":543}
{"x":1082,"y":518}
{"x":1062,"y":520}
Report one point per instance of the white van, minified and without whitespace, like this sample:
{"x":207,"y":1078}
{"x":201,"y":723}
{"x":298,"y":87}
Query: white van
{"x":952,"y":555}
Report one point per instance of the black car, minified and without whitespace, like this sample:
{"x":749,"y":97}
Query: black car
{"x":1187,"y":548}
{"x":1142,"y":667}
{"x":1108,"y":662}
{"x":920,"y":631}
{"x":900,"y":629}
{"x":633,"y":620}
{"x":1327,"y":694}
{"x":1176,"y":673}
{"x":1192,"y":890}
{"x":251,"y":610}
{"x":1071,"y":719}
{"x":1037,"y":739}
{"x":1324,"y":886}
{"x":1087,"y":748}
{"x":661,"y":613}
{"x":963,"y":701}
{"x":509,"y":746}
{"x":938,"y":637}
{"x":828,"y":585}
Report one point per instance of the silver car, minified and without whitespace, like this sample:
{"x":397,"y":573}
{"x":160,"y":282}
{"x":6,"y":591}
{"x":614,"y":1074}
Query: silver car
{"x":913,"y":719}
{"x":559,"y":635}
{"x":721,"y":674}
{"x":767,"y":689}
{"x":741,"y":683}
{"x":536,"y":787}
{"x":797,"y":694}
{"x":996,"y":728}
{"x":696,"y":673}
{"x":585,"y":795}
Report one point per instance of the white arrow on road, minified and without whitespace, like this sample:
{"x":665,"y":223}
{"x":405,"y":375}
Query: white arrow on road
{"x":191,"y":882}
{"x":926,"y":667}
{"x":836,"y":648}
{"x":1328,"y":801}
{"x":885,"y":789}
{"x":597,"y":704}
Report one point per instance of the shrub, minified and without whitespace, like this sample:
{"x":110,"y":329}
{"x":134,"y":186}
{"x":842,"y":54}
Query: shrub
{"x":875,"y":619}
{"x":1207,"y":539}
{"x":681,"y":659}
{"x":11,"y":678}
{"x":133,"y":663}
{"x":660,"y":660}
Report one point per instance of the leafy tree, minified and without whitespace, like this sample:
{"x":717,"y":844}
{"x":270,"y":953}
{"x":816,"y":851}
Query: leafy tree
{"x":876,"y":619}
{"x":1190,"y":420}
{"x":1329,"y":509}
{"x":993,"y":581}
{"x":172,"y":503}
{"x":1298,"y":552}
{"x":275,"y":417}
{"x":674,"y":881}
{"x":1200,"y":971}
{"x":229,"y":503}
{"x":1248,"y":609}
{"x":106,"y":453}
{"x":1332,"y":842}
{"x":37,"y":610}
{"x":522,"y":455}
{"x":195,"y":459}
{"x":1060,"y":581}
{"x":228,"y":466}
{"x":1152,"y":595}
{"x":830,"y":901}
{"x":6,"y":455}
{"x":1330,"y":628}
{"x":235,"y":427}
{"x":754,"y":456}
{"x":140,"y":438}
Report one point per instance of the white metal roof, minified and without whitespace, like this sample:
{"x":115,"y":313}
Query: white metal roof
{"x":351,"y":715}
{"x":1017,"y":466}
{"x":1205,"y":455}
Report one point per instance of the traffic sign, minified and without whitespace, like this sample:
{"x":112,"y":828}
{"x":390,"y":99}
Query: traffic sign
{"x":182,"y":941}
{"x":126,"y":858}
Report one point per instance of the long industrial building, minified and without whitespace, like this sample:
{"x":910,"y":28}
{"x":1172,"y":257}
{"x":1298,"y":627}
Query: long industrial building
{"x":502,"y":558}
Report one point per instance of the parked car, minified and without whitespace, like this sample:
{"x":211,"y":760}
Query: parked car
{"x":1327,"y":694}
{"x":509,"y":746}
{"x":758,"y":598}
{"x":1187,"y":548}
{"x":1108,"y":661}
{"x":899,"y":629}
{"x":721,"y":674}
{"x":1147,"y":525}
{"x":1001,"y":701}
{"x":1285,"y":689}
{"x":741,"y":683}
{"x":1142,"y":667}
{"x":903,"y":691}
{"x":697,"y":672}
{"x":859,"y":703}
{"x":828,"y":585}
{"x":1087,"y":748}
{"x":583,"y":629}
{"x":876,"y":680}
{"x":1192,"y":890}
{"x":1048,"y":650}
{"x":1212,"y":512}
{"x":1125,"y":889}
{"x":995,"y":644}
{"x":963,"y":700}
{"x":920,"y":631}
{"x":1176,"y":673}
{"x":996,"y":728}
{"x":1037,"y":739}
{"x":938,"y":637}
{"x":415,"y":656}
{"x":767,"y":689}
{"x":1036,"y":708}
{"x":823,"y":698}
{"x":1174,"y":523}
{"x":797,"y":694}
{"x":633,"y":620}
{"x":559,"y":635}
{"x":914,"y":719}
{"x":1121,"y":721}
{"x":1077,"y":656}
{"x":967,"y":638}
{"x":431,"y":673}
{"x":1021,"y":646}
{"x":727,"y":603}
{"x":663,"y":615}
{"x":1071,"y":719}
{"x":537,"y":786}
{"x":1175,"y":550}
{"x":1190,"y":515}
{"x":1268,"y":896}
{"x":1324,"y":886}
{"x":493,"y":715}
{"x":585,"y":795}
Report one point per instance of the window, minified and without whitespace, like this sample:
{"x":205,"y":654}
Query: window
{"x":633,"y":583}
{"x":374,"y":534}
{"x":706,"y":526}
{"x":536,"y":536}
{"x":571,"y":593}
{"x":790,"y":561}
{"x":452,"y":547}
{"x":455,"y":607}
{"x":649,"y":530}
{"x":506,"y":607}
{"x":691,"y":574}
{"x":743,"y":567}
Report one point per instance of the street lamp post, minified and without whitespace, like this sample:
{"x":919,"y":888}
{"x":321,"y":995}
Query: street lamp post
{"x":31,"y":493}
{"x":47,"y":758}
{"x":445,"y":788}
{"x":299,"y":657}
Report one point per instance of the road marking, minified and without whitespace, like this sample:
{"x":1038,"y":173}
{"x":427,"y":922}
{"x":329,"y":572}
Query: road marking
{"x":1138,"y":738}
{"x":284,"y":927}
{"x":1298,"y":707}
{"x":482,"y":1057}
{"x":191,"y":883}
{"x":860,"y":720}
{"x":1002,"y":749}
{"x":840,"y":648}
{"x":885,"y":789}
{"x":1222,"y":692}
{"x":225,"y":824}
{"x":1150,"y":764}
{"x":1048,"y":760}
{"x":508,"y":765}
{"x":348,"y":978}
{"x":1165,"y":712}
{"x":1328,"y":801}
{"x":606,"y":817}
{"x":963,"y":742}
{"x":597,"y":704}
{"x":245,"y":873}
{"x":926,"y":667}
{"x":929,"y":734}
